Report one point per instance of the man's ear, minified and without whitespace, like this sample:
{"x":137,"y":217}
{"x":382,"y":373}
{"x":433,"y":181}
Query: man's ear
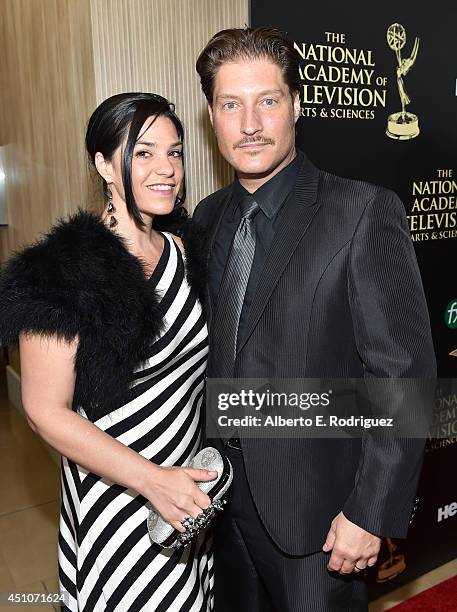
{"x":297,"y":107}
{"x":104,"y":167}
{"x":210,"y":113}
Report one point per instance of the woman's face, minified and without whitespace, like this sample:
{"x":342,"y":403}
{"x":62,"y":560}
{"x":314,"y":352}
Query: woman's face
{"x":157,"y":167}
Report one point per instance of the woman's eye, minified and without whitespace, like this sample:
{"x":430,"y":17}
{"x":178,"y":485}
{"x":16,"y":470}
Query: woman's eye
{"x":176,"y":153}
{"x":143,"y":154}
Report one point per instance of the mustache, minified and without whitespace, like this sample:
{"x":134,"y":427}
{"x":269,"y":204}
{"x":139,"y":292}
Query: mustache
{"x":252,"y":139}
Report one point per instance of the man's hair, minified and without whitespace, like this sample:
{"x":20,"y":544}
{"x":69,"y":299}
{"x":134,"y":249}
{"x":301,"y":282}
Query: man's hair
{"x":248,"y":44}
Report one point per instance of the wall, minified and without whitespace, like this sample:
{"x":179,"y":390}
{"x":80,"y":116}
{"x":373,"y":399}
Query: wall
{"x":48,"y":88}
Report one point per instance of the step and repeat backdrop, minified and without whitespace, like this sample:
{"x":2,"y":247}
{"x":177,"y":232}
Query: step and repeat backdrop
{"x":379,"y":103}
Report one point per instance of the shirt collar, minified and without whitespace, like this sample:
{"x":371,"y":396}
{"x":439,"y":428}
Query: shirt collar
{"x":271,"y":195}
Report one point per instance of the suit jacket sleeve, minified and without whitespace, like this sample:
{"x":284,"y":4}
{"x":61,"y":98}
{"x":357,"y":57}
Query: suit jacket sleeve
{"x":393,"y":338}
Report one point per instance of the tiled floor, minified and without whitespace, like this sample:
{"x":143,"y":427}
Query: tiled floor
{"x":29,"y":509}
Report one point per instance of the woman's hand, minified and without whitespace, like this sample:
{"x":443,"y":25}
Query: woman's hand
{"x":171,"y":490}
{"x":173,"y":493}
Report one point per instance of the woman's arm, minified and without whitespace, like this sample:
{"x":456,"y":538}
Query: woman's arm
{"x":48,"y":381}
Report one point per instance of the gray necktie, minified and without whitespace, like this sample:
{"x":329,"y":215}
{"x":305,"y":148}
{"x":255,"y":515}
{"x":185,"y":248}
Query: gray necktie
{"x":232,"y":291}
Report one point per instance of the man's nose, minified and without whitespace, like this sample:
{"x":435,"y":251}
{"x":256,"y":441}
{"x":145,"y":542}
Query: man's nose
{"x":251,"y":122}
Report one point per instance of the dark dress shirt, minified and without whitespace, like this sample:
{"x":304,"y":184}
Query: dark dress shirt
{"x":270,"y":197}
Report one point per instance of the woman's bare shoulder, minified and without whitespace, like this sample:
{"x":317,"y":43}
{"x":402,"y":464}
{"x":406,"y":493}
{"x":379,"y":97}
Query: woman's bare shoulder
{"x":178,"y":242}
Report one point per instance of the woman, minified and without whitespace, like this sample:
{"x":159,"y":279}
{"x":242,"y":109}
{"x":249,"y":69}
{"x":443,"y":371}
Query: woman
{"x":113,"y":350}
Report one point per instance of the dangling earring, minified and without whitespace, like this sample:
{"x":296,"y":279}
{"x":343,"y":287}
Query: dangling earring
{"x":113,"y":221}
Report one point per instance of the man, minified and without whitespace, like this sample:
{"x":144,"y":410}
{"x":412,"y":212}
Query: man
{"x":309,"y":276}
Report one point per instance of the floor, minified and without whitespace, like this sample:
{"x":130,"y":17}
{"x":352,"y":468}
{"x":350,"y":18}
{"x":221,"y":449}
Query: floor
{"x":414,"y":588}
{"x":29,"y":510}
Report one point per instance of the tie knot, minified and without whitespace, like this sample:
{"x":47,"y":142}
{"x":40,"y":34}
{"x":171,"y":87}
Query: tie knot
{"x":248,"y":207}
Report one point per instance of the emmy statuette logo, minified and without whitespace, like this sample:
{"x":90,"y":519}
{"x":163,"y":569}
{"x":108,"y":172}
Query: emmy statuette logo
{"x":393,"y":566}
{"x":402,"y":125}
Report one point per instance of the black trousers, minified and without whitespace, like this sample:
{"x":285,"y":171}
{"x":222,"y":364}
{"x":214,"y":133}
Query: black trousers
{"x":253,"y":575}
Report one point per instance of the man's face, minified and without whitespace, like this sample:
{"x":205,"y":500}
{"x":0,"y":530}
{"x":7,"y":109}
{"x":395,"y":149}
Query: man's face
{"x":254,"y":116}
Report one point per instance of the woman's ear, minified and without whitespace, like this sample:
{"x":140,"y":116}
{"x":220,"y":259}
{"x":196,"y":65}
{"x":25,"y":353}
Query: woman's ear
{"x":104,"y":167}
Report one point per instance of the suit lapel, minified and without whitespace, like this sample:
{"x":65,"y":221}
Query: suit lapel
{"x":292,"y":224}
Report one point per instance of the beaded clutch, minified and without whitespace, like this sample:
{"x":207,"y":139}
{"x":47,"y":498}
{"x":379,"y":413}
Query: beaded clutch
{"x":210,"y":459}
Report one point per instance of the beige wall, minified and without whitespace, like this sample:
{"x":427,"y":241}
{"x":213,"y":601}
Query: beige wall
{"x":47,"y":88}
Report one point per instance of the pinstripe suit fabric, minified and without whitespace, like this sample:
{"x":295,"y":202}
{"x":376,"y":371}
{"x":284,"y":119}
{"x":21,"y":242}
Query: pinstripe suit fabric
{"x":340,"y":296}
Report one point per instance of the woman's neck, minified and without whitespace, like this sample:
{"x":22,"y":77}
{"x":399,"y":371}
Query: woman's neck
{"x":142,"y":241}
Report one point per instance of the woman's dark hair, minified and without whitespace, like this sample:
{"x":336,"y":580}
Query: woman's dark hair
{"x":123,"y":115}
{"x":248,"y":44}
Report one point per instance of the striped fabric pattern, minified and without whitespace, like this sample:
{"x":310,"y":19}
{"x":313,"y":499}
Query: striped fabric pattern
{"x":106,"y":559}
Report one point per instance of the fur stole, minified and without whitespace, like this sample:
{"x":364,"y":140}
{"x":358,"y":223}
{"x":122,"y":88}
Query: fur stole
{"x":80,"y":280}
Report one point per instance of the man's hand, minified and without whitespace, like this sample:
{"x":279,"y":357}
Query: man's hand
{"x":353,"y":548}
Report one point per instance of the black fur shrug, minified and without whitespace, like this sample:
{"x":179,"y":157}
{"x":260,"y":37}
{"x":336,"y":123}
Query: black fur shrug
{"x":80,"y":280}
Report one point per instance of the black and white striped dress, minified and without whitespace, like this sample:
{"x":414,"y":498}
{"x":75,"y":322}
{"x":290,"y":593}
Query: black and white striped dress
{"x":106,"y":559}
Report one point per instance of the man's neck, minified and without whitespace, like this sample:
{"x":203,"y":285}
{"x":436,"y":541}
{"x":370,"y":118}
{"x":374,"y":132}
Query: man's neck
{"x":252,"y":182}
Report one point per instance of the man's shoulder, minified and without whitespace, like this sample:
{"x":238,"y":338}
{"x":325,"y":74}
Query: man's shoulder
{"x":353,"y":194}
{"x":209,"y":205}
{"x":349,"y":188}
{"x":217,"y":195}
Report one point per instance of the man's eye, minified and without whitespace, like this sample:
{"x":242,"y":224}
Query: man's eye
{"x":230,"y":105}
{"x":268,"y":102}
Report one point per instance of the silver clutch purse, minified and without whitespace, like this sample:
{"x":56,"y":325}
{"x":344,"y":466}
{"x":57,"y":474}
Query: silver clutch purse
{"x":210,"y":459}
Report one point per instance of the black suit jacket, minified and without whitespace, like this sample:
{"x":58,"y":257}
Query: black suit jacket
{"x":340,"y":295}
